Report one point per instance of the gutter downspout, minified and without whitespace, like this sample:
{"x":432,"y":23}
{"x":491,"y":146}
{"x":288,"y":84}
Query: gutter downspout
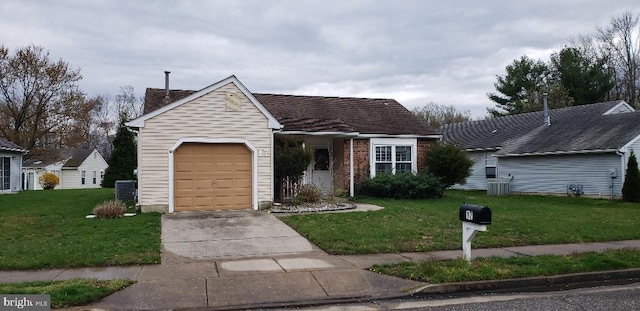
{"x":138,"y":161}
{"x":351,"y":183}
{"x":622,"y":168}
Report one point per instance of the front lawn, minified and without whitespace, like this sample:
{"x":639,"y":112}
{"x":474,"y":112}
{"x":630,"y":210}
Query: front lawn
{"x":67,"y":293}
{"x":425,"y":225}
{"x":48,"y":229}
{"x":494,"y":268}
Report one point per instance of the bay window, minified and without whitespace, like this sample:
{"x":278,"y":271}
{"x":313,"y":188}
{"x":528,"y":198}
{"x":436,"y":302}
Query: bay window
{"x":392,"y":156}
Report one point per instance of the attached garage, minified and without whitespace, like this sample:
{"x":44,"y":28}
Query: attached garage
{"x":212,"y":176}
{"x":206,"y":150}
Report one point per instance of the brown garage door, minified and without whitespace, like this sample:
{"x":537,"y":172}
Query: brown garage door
{"x":212,"y":177}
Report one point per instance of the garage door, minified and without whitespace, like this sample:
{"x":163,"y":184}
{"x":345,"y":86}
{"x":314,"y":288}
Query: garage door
{"x":212,"y":177}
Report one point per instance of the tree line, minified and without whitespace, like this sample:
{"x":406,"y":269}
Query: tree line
{"x":590,"y":68}
{"x":43,"y":109}
{"x":601,"y":66}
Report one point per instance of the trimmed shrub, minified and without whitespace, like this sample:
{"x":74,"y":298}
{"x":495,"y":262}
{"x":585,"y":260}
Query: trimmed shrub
{"x":450,"y":164}
{"x":48,"y":181}
{"x":402,"y":186}
{"x":307,"y":194}
{"x":631,"y":187}
{"x":110,"y":209}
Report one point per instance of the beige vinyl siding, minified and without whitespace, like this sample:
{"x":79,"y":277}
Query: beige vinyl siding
{"x":205,"y":117}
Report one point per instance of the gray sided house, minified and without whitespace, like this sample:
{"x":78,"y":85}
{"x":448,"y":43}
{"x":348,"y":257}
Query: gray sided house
{"x":214,"y":148}
{"x":582,"y":150}
{"x":10,"y":166}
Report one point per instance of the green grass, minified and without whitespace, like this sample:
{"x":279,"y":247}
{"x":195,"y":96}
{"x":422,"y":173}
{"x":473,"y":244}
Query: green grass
{"x":48,"y":229}
{"x":68,"y":293}
{"x":518,"y":267}
{"x":424,"y":225}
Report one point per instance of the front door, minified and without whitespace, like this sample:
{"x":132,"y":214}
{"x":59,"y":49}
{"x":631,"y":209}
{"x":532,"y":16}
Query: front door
{"x":30,"y":181}
{"x":321,"y":170}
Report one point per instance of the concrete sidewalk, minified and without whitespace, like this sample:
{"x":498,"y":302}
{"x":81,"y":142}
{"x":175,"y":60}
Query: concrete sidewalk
{"x":291,"y":279}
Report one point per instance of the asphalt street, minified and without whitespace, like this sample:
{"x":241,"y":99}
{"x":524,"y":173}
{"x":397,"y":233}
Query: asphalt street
{"x":616,"y":297}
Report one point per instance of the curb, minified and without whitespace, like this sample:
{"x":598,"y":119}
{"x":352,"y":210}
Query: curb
{"x":547,"y":283}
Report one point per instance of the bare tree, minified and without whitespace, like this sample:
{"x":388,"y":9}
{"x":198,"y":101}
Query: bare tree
{"x":127,"y":105}
{"x":40,"y":102}
{"x":619,"y":45}
{"x":109,"y":112}
{"x":436,"y":115}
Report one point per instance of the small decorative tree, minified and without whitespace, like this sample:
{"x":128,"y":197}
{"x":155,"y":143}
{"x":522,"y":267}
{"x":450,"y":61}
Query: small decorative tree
{"x":450,"y":164}
{"x":631,"y":187}
{"x":123,"y":160}
{"x":291,"y":160}
{"x":48,"y":181}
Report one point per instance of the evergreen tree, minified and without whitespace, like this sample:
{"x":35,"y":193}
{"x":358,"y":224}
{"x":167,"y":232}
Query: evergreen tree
{"x":631,"y":187}
{"x":124,"y":158}
{"x":586,"y":80}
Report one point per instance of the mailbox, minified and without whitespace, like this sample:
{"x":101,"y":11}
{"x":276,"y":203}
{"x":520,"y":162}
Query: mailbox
{"x":476,"y":214}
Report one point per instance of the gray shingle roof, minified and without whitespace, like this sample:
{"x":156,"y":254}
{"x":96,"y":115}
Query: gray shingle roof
{"x":323,"y":114}
{"x":72,"y":157}
{"x":9,"y":146}
{"x":579,"y":128}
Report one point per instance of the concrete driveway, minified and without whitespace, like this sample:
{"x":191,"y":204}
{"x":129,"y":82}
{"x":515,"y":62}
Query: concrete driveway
{"x":229,"y":235}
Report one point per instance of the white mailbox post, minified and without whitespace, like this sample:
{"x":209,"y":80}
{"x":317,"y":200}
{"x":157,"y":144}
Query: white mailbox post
{"x":474,"y":218}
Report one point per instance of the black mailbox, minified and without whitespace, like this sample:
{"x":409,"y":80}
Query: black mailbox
{"x":476,"y":214}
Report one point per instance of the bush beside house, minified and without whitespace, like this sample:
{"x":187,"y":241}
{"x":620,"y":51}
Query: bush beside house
{"x":450,"y":164}
{"x":631,"y":186}
{"x":402,"y":186}
{"x":48,"y":181}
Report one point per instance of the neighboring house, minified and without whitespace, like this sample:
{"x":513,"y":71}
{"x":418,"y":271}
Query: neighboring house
{"x":77,"y":169}
{"x":10,"y":166}
{"x":213,"y":148}
{"x":582,"y":150}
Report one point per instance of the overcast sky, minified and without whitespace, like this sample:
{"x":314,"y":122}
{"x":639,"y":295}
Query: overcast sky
{"x":448,"y":52}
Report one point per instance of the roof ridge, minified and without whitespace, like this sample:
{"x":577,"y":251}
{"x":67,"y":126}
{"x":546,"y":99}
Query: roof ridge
{"x":321,"y":96}
{"x":532,"y":113}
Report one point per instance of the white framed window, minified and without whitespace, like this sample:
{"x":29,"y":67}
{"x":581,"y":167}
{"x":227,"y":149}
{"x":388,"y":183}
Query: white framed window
{"x":5,"y":173}
{"x":393,"y":156}
{"x":95,"y":177}
{"x":490,"y":166}
{"x":83,"y":176}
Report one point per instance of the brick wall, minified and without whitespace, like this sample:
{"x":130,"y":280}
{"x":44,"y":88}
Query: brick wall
{"x":360,"y":161}
{"x":423,"y":146}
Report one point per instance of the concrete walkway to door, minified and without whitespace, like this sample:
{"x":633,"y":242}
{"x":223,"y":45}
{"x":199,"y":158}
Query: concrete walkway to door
{"x":242,"y":259}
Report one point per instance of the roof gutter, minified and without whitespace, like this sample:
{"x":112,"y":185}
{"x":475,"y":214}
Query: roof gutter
{"x":345,"y":134}
{"x":557,"y":153}
{"x":433,"y":136}
{"x":23,"y":151}
{"x":482,"y":149}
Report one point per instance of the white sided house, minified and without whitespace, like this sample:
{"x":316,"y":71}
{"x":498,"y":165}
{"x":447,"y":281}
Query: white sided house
{"x":76,"y":168}
{"x":213,"y":149}
{"x":10,"y":166}
{"x":580,"y":150}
